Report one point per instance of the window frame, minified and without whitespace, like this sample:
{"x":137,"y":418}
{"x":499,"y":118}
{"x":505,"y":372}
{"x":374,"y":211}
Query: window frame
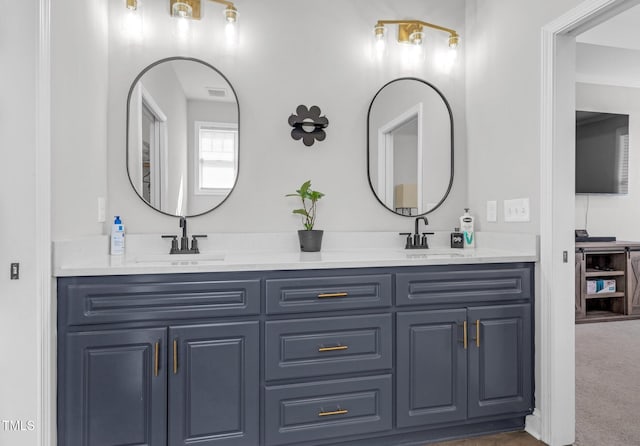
{"x":198,"y":126}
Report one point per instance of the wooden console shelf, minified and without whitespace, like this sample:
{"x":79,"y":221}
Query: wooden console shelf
{"x":617,"y":261}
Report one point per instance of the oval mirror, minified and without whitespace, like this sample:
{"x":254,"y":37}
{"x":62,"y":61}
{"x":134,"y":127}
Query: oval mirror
{"x":410,"y":147}
{"x":182,"y":136}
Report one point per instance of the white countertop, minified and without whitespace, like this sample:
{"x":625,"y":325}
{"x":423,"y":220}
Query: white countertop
{"x":148,"y":254}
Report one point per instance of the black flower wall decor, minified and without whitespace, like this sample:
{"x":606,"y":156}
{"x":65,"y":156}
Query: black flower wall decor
{"x":308,"y":125}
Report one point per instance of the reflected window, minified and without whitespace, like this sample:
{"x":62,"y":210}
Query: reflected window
{"x":217,"y":157}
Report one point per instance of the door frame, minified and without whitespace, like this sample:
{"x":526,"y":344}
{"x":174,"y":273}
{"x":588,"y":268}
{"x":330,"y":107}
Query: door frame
{"x":385,"y":155}
{"x":44,"y":286}
{"x":554,"y":419}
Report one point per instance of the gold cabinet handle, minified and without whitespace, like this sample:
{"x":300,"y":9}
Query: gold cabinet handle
{"x":333,"y":349}
{"x":175,"y":356}
{"x":334,"y":412}
{"x":324,"y":295}
{"x":156,"y":360}
{"x":464,"y":340}
{"x":477,"y":332}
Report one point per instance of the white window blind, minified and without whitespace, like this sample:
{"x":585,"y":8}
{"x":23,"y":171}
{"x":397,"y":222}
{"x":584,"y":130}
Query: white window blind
{"x":623,"y":163}
{"x":217,"y":157}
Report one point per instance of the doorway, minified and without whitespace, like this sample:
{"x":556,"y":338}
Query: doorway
{"x":557,"y":203}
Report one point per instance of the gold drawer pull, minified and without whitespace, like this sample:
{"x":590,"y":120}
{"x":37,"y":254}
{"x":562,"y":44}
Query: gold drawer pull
{"x":156,"y":359}
{"x":465,"y":334}
{"x":334,"y":412}
{"x":175,"y":356}
{"x":321,"y":296}
{"x":477,"y":332}
{"x":333,"y":349}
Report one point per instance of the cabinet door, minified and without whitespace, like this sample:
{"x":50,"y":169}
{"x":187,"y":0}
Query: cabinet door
{"x":633,"y":283}
{"x":431,"y":367}
{"x":500,"y":360}
{"x":213,"y":384}
{"x":115,"y":388}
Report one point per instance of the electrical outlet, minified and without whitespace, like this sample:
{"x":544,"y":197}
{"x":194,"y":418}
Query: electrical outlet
{"x":492,"y":211}
{"x":517,"y":210}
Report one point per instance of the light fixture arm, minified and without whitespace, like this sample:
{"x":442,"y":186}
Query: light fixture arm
{"x":224,"y":2}
{"x":452,"y":32}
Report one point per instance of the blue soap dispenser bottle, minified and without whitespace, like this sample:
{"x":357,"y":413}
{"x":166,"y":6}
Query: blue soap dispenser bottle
{"x":117,"y":237}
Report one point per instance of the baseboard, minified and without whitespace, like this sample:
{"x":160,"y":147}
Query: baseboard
{"x":533,"y":423}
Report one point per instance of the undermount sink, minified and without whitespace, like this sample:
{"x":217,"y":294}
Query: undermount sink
{"x":426,"y":254}
{"x":181,"y":259}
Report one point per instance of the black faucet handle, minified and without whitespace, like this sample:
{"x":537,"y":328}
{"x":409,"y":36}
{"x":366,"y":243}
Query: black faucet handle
{"x":194,"y":242}
{"x":409,"y":242}
{"x":425,"y":242}
{"x":174,"y":243}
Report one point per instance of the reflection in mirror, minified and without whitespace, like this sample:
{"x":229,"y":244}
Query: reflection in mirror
{"x":182,"y":136}
{"x":410,"y":147}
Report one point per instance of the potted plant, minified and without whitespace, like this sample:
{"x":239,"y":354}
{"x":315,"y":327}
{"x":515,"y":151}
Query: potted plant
{"x":310,"y":239}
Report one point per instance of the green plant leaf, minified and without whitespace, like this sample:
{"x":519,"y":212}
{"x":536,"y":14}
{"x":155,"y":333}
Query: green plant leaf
{"x":304,"y":188}
{"x":301,"y":212}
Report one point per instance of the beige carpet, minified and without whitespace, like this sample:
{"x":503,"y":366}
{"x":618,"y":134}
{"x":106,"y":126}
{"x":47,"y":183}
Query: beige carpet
{"x":608,"y":384}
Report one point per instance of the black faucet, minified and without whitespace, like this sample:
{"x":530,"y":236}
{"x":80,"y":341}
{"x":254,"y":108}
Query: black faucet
{"x":184,"y":241}
{"x":415,"y":241}
{"x":416,"y":233}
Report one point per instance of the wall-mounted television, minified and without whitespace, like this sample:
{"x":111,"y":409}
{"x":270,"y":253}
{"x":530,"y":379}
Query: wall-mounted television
{"x":602,"y":153}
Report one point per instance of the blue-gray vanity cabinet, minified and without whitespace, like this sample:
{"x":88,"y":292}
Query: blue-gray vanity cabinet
{"x":114,"y":388}
{"x":213,"y":384}
{"x":471,"y":357}
{"x":331,"y":293}
{"x":431,"y":385}
{"x":301,"y":348}
{"x":443,"y":378}
{"x":148,"y":360}
{"x":365,"y":357}
{"x":327,"y":410}
{"x":500,"y":360}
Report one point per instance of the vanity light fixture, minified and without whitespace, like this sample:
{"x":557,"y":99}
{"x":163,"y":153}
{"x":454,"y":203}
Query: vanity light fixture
{"x":412,"y":32}
{"x":191,"y":9}
{"x":132,"y":4}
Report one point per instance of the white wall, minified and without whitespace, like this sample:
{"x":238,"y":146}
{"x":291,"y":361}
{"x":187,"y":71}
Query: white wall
{"x":613,"y":215}
{"x":597,"y":64}
{"x":273,"y":71}
{"x":503,"y":104}
{"x":79,"y":119}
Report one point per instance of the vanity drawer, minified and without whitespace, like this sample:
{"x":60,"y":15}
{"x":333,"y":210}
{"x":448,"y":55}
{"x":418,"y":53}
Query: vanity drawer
{"x":328,"y":293}
{"x":323,"y":346}
{"x":93,"y":301}
{"x":460,"y":285}
{"x":297,"y":413}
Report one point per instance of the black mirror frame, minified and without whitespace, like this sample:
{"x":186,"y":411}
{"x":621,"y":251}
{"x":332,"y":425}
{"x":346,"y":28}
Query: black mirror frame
{"x":446,"y":103}
{"x":133,"y":85}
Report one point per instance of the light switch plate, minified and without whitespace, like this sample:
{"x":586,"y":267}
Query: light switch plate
{"x":517,"y":210}
{"x":492,"y":211}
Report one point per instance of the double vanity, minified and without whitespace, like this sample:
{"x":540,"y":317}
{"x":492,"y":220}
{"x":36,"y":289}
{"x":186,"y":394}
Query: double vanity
{"x":253,"y":343}
{"x":354,"y":346}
